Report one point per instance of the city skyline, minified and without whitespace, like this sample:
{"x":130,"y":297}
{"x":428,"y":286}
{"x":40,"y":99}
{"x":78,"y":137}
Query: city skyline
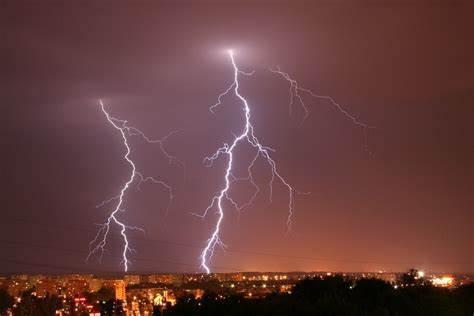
{"x":138,"y":294}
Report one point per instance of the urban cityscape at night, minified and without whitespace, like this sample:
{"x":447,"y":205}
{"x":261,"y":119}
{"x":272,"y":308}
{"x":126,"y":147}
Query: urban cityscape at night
{"x":156,"y":294}
{"x":267,"y":158}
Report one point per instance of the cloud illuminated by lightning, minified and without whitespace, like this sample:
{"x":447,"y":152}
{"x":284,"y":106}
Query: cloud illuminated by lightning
{"x":98,"y":244}
{"x":247,"y":135}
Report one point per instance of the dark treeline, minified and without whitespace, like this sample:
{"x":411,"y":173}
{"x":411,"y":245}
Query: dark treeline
{"x":337,"y":296}
{"x":29,"y":304}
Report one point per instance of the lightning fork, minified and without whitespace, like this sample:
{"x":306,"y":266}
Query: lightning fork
{"x":295,"y":90}
{"x":248,"y":136}
{"x":99,"y":242}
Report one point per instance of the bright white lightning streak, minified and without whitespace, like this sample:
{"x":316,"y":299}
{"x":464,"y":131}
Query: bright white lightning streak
{"x":295,"y":90}
{"x":248,"y":135}
{"x":100,"y":241}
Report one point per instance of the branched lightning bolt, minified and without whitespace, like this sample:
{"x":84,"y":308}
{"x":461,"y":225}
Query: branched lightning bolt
{"x":248,"y":136}
{"x":100,"y":241}
{"x":295,"y":90}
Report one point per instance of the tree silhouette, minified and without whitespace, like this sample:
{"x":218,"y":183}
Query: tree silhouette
{"x":338,"y":296}
{"x":47,"y":306}
{"x":103,"y":294}
{"x":412,"y":278}
{"x":6,"y":301}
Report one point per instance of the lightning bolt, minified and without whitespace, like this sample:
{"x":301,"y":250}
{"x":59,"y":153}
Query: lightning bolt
{"x":98,"y":244}
{"x":296,"y":89}
{"x":247,"y":135}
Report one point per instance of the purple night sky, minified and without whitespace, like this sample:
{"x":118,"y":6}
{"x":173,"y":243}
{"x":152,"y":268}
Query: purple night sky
{"x":401,"y":197}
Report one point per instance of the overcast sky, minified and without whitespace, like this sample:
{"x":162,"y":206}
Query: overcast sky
{"x":399,"y":196}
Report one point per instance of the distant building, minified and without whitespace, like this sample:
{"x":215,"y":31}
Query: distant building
{"x":95,"y":284}
{"x":17,"y":286}
{"x":120,"y":293}
{"x":165,"y":278}
{"x":132,"y":279}
{"x":76,"y":287}
{"x":46,"y":286}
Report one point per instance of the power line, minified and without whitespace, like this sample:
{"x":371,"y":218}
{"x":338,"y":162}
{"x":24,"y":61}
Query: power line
{"x":23,"y":244}
{"x":236,"y":251}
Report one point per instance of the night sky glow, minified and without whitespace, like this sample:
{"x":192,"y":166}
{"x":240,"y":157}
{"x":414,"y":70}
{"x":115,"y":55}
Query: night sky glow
{"x":386,"y":198}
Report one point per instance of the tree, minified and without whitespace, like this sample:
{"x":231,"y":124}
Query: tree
{"x":103,"y":294}
{"x":26,"y":306}
{"x":6,"y":301}
{"x":47,"y":306}
{"x":412,"y":277}
{"x":372,"y":296}
{"x":317,"y":288}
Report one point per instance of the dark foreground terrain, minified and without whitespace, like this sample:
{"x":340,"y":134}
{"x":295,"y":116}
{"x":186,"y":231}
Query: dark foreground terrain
{"x":335,"y":296}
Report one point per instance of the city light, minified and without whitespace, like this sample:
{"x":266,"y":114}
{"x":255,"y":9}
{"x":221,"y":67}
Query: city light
{"x":444,"y":281}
